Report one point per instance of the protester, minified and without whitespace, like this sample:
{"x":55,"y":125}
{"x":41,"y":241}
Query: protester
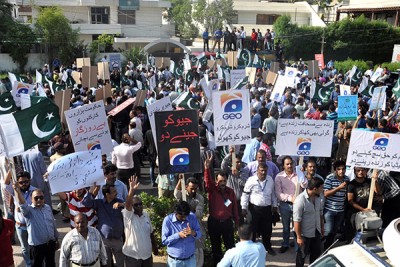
{"x":6,"y":234}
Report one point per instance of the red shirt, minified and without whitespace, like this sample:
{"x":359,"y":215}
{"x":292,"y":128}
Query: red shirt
{"x":254,"y":36}
{"x":6,"y":258}
{"x":216,"y":200}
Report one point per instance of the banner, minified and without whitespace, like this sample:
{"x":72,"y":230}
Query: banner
{"x":279,"y":88}
{"x":290,"y":74}
{"x":320,"y":59}
{"x":237,"y":75}
{"x":115,"y":61}
{"x":20,"y":88}
{"x":122,"y":106}
{"x":376,"y":75}
{"x":178,"y":135}
{"x":374,"y":150}
{"x":164,"y":104}
{"x":75,"y":171}
{"x":347,"y":108}
{"x":378,"y":99}
{"x":304,"y":137}
{"x":345,"y":90}
{"x":89,"y":128}
{"x":231,"y":117}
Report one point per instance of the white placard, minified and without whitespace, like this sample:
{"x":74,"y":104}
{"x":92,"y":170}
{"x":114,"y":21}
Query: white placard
{"x":75,"y":171}
{"x":279,"y":88}
{"x":290,"y":74}
{"x":25,"y":101}
{"x":236,"y":76}
{"x":231,"y":117}
{"x":376,"y":75}
{"x":345,"y":90}
{"x":374,"y":150}
{"x":20,"y":88}
{"x":164,"y":104}
{"x":304,"y":137}
{"x":378,"y":99}
{"x":89,"y":128}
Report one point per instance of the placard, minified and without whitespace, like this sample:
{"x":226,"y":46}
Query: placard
{"x":274,"y":67}
{"x":345,"y":90}
{"x":77,"y":76}
{"x":231,"y":117}
{"x":304,"y":137}
{"x":20,"y":88}
{"x":347,"y":108}
{"x":320,"y":59}
{"x":279,"y":88}
{"x":271,"y":78}
{"x":232,"y":59}
{"x":290,"y":74}
{"x":378,"y":99}
{"x":80,"y":62}
{"x":374,"y":150}
{"x":89,"y":76}
{"x":75,"y":171}
{"x":103,"y":70}
{"x":122,"y":106}
{"x":237,"y":75}
{"x":164,"y":104}
{"x":115,"y":61}
{"x":251,"y":73}
{"x":89,"y":128}
{"x":313,"y":68}
{"x":178,"y":135}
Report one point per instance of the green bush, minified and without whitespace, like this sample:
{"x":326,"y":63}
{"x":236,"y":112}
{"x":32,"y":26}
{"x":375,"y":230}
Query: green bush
{"x":392,"y":66}
{"x":344,"y":66}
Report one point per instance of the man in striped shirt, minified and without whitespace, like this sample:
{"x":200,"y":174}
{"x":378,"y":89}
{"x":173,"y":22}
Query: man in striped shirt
{"x":335,"y":189}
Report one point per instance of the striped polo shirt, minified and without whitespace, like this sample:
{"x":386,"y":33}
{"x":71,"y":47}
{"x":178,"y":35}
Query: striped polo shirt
{"x":335,"y":202}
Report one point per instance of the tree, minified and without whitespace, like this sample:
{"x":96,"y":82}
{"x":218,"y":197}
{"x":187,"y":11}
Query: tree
{"x":56,"y":33}
{"x":104,"y":41}
{"x":180,"y":12}
{"x":214,"y":15}
{"x":135,"y":54}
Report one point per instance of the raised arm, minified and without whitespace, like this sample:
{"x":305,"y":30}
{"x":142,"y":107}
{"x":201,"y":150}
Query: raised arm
{"x":133,"y":185}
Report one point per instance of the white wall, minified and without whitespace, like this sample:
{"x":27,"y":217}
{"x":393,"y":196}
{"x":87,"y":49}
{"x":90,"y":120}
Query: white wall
{"x":35,"y":61}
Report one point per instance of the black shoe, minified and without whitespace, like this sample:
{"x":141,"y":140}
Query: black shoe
{"x":155,"y":185}
{"x":283,"y":249}
{"x":271,"y":252}
{"x":55,"y":212}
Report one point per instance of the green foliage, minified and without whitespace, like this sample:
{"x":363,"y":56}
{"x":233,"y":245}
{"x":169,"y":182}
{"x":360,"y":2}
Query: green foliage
{"x":135,"y":54}
{"x":56,"y":32}
{"x":391,"y":66}
{"x":359,"y":38}
{"x":104,"y":43}
{"x":157,"y":208}
{"x":180,"y":12}
{"x":344,"y":66}
{"x":69,"y":53}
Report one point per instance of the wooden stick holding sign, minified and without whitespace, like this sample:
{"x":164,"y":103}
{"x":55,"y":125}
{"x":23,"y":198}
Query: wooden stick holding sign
{"x":374,"y":178}
{"x":297,"y":191}
{"x":183,"y":186}
{"x":232,"y":151}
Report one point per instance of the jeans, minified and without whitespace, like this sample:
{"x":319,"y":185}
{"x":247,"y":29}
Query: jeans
{"x":286,"y":210}
{"x":312,"y":247}
{"x":333,"y":222}
{"x":114,"y":248}
{"x":191,"y":262}
{"x":152,"y":175}
{"x":22,"y":234}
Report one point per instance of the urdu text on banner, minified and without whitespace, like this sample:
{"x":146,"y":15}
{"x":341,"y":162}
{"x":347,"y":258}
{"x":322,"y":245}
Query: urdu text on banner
{"x":304,"y":137}
{"x":374,"y":150}
{"x":231,"y":117}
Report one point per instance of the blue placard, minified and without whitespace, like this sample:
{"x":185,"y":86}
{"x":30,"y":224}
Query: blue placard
{"x":347,"y":107}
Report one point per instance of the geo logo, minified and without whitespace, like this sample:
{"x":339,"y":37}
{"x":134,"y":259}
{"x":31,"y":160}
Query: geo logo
{"x":381,"y":141}
{"x":94,"y":145}
{"x":303,"y":146}
{"x":232,"y":102}
{"x":179,"y":156}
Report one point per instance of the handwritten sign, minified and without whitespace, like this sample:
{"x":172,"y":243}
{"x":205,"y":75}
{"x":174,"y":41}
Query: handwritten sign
{"x":378,"y":72}
{"x":347,"y":107}
{"x":374,"y":150}
{"x":231,"y":117}
{"x":304,"y":137}
{"x":75,"y":171}
{"x":378,"y":98}
{"x":177,"y":132}
{"x":345,"y":89}
{"x":89,"y":128}
{"x":237,"y":75}
{"x":164,"y":104}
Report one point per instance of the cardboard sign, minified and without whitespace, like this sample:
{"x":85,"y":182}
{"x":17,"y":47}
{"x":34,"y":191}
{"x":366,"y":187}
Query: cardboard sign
{"x":164,"y":104}
{"x":271,"y":78}
{"x":89,"y":128}
{"x":89,"y":76}
{"x":103,"y":70}
{"x":178,"y":135}
{"x":313,"y":68}
{"x":77,"y":76}
{"x":304,"y":137}
{"x":374,"y":150}
{"x":274,"y":67}
{"x":122,"y":106}
{"x":251,"y":73}
{"x":231,"y":117}
{"x":140,"y":97}
{"x":232,"y":59}
{"x":378,"y":99}
{"x":81,"y":62}
{"x":347,"y":108}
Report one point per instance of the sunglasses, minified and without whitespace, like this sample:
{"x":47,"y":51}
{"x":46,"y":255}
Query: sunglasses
{"x":138,"y":204}
{"x":38,"y":198}
{"x":24,"y":182}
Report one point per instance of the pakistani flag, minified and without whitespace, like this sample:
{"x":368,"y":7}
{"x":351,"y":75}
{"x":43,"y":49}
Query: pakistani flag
{"x":245,"y":56}
{"x":186,"y":101}
{"x":241,"y":83}
{"x":27,"y":101}
{"x":218,"y":55}
{"x":259,"y":62}
{"x":193,"y":61}
{"x":70,"y":82}
{"x":323,"y":92}
{"x":38,"y":77}
{"x":201,"y":60}
{"x":396,"y":89}
{"x":356,"y":78}
{"x":176,"y":69}
{"x":7,"y":103}
{"x":368,"y":90}
{"x":15,"y":77}
{"x":27,"y":128}
{"x":189,"y":77}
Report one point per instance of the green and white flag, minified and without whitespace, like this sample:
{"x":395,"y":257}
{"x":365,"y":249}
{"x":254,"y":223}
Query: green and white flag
{"x":218,"y":55}
{"x":241,"y":83}
{"x":396,"y":89}
{"x":39,"y":77}
{"x":356,"y":77}
{"x":245,"y":56}
{"x":26,"y":128}
{"x":7,"y":103}
{"x":259,"y":63}
{"x":27,"y":100}
{"x":186,"y":101}
{"x":323,"y":92}
{"x":15,"y":77}
{"x":202,"y":60}
{"x":176,"y":69}
{"x":368,"y":90}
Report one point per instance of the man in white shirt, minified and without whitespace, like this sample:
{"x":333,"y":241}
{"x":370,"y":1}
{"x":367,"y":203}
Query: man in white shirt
{"x":82,"y":246}
{"x":259,"y":197}
{"x":139,"y":238}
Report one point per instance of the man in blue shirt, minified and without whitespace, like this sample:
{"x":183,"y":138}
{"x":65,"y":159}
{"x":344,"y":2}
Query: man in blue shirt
{"x":179,"y":232}
{"x":255,"y":122}
{"x":246,"y":252}
{"x":217,"y":39}
{"x":205,"y":41}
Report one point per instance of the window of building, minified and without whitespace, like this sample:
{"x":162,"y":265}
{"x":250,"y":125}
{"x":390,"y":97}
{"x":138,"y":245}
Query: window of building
{"x":100,"y":15}
{"x":263,"y":19}
{"x":126,"y":16}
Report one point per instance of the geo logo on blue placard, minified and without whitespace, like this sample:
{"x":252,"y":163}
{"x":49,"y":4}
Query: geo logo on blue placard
{"x":232,"y":102}
{"x":381,"y":141}
{"x":179,"y":156}
{"x":94,"y":146}
{"x":303,"y":146}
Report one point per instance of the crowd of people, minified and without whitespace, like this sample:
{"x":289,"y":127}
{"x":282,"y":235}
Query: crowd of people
{"x":247,"y":189}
